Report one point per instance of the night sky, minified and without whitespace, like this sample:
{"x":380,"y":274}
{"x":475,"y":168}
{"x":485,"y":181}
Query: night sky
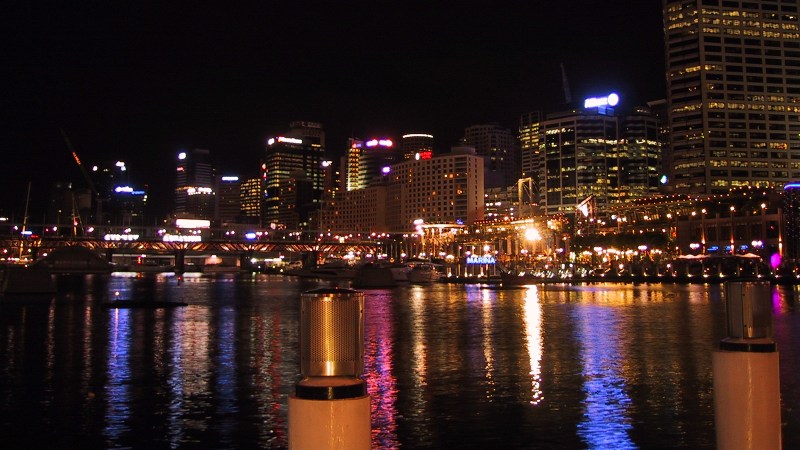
{"x":140,"y":82}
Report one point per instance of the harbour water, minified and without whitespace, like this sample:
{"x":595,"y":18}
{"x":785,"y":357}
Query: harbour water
{"x":447,"y":366}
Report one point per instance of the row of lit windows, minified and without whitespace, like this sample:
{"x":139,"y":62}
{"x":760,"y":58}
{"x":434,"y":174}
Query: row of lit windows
{"x":751,"y":33}
{"x":749,"y":23}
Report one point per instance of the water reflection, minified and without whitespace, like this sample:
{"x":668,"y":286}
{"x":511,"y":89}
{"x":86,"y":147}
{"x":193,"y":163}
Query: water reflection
{"x":533,"y":334}
{"x":379,"y":368}
{"x":447,"y":366}
{"x":119,"y":375}
{"x":606,"y":422}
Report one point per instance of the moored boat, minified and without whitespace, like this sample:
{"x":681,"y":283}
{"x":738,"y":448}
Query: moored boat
{"x":424,"y":273}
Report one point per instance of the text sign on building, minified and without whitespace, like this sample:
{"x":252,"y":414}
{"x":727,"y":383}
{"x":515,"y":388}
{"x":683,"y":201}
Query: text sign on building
{"x":475,"y":259}
{"x":611,"y":99}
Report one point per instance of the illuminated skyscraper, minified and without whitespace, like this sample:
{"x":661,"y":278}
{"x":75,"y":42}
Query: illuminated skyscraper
{"x":228,"y":199}
{"x":354,"y":148}
{"x":194,"y":193}
{"x":593,"y":153}
{"x":499,"y":149}
{"x":251,"y":200}
{"x":374,"y":162}
{"x":444,"y":189}
{"x":733,"y":91}
{"x":413,"y":144}
{"x":292,"y":158}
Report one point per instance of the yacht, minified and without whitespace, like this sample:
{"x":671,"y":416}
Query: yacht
{"x":424,"y":273}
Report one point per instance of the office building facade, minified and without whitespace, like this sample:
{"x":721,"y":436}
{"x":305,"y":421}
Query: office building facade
{"x":194,"y":190}
{"x":444,"y":189}
{"x":733,"y":93}
{"x":414,"y":144}
{"x":593,"y":156}
{"x":294,"y":157}
{"x":499,"y":149}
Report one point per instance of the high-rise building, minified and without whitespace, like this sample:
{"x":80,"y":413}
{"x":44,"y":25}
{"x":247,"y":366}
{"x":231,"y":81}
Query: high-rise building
{"x":376,"y":157}
{"x":733,"y":93}
{"x":251,"y":200}
{"x":594,"y":155}
{"x":529,"y":143}
{"x":194,"y":187}
{"x":639,"y":158}
{"x":229,"y":202}
{"x":791,"y":222}
{"x":293,"y":157}
{"x":444,"y":189}
{"x":414,"y":144}
{"x":498,"y":147}
{"x":354,"y":148}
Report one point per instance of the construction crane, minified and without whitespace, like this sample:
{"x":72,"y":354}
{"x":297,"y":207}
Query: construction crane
{"x":76,"y":219}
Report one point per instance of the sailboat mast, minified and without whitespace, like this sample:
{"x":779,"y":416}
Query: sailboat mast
{"x":25,"y":219}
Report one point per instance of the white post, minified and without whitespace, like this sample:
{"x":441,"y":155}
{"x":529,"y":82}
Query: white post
{"x":747,"y":408}
{"x":330,"y":408}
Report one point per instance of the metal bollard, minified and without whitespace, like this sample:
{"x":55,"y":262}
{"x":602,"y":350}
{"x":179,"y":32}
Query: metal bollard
{"x":747,"y":409}
{"x":330,"y":408}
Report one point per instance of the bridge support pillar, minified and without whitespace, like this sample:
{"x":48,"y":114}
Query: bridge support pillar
{"x":110,"y":254}
{"x":180,"y":261}
{"x":310,"y":259}
{"x":245,"y":260}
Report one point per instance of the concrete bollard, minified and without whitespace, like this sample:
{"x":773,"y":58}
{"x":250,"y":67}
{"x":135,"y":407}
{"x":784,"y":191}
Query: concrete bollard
{"x":747,"y":410}
{"x":330,"y":408}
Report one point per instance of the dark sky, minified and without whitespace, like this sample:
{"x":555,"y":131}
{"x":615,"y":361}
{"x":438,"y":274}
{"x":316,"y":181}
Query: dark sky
{"x":138,"y":82}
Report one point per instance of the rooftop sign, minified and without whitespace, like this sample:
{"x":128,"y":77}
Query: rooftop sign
{"x":595,"y":102}
{"x":380,"y":142}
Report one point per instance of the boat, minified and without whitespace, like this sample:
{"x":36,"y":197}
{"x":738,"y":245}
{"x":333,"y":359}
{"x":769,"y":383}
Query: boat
{"x":424,"y":273}
{"x":334,"y":269}
{"x":373,"y":276}
{"x":21,"y":281}
{"x":73,"y":260}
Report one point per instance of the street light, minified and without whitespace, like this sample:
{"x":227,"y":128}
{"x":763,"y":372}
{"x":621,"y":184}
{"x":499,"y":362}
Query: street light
{"x":733,"y":237}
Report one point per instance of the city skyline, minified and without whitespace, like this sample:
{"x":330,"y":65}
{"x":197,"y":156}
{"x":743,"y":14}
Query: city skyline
{"x":142,"y":85}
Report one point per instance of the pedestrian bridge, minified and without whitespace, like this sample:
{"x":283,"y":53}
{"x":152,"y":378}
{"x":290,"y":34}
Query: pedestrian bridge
{"x":35,"y":246}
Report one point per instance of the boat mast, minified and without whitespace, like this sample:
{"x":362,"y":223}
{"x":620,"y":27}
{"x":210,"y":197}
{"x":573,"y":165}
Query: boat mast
{"x":25,"y":220}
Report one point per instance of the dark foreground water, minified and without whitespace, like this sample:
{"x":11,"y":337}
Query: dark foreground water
{"x":447,"y":366}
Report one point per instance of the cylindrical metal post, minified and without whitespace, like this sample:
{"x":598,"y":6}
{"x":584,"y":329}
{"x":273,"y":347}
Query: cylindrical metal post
{"x":746,"y":376}
{"x":330,"y":408}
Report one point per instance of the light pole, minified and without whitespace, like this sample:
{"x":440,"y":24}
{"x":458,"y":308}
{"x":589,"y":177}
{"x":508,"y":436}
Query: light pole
{"x":703,"y":230}
{"x":733,"y":235}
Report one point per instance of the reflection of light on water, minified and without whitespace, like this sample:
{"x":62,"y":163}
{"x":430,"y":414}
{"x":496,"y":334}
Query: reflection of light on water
{"x":119,"y":374}
{"x":175,"y":416}
{"x":605,"y":420}
{"x":533,"y":330}
{"x":378,"y":365}
{"x":225,"y":380}
{"x":419,"y":362}
{"x":488,"y":348}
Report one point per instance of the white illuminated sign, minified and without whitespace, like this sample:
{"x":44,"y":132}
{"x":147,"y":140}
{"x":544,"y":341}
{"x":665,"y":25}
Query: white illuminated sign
{"x":181,"y":238}
{"x":182,"y":155}
{"x":199,"y":191}
{"x":287,"y":140}
{"x":230,"y":178}
{"x":417,"y":135}
{"x":127,"y":189}
{"x":474,"y":259}
{"x":595,"y":102}
{"x":121,"y":237}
